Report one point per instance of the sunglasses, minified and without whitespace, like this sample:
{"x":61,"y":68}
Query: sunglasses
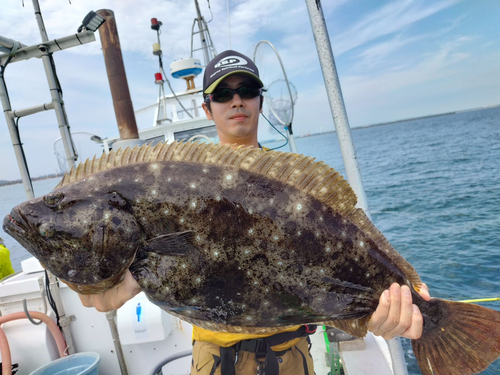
{"x":227,"y":94}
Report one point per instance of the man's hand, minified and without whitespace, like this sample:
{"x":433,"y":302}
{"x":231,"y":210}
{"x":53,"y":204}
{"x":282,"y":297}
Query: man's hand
{"x":396,"y":315}
{"x":114,"y":298}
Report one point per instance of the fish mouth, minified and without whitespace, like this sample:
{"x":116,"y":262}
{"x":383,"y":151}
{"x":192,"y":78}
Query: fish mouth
{"x":12,"y":226}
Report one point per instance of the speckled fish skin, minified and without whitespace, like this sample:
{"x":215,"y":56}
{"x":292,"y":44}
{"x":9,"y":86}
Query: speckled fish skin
{"x":260,"y":253}
{"x":83,"y":233}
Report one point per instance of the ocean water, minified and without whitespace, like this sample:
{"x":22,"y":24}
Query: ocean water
{"x":433,"y":188}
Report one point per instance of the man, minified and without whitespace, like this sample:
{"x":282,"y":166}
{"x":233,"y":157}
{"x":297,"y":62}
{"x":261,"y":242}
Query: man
{"x":233,"y":100}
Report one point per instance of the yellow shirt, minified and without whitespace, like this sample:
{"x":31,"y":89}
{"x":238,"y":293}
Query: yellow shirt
{"x":225,"y":339}
{"x":5,"y":264}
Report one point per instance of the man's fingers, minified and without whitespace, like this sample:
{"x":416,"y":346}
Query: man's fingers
{"x":114,"y":298}
{"x":400,"y":318}
{"x":424,"y":292}
{"x":379,"y":316}
{"x":417,"y":325}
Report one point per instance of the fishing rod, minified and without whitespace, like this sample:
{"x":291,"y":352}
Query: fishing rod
{"x":480,"y":300}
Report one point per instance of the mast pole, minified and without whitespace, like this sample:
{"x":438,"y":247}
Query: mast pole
{"x":199,"y":19}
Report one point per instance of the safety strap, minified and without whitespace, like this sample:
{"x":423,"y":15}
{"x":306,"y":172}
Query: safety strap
{"x":262,"y":348}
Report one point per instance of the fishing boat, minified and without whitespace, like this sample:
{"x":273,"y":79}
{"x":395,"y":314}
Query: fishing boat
{"x":140,"y":338}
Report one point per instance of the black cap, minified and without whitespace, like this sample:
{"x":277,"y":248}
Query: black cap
{"x":225,"y":64}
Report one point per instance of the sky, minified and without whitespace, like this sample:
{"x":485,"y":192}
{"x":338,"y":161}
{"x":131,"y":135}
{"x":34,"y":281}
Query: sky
{"x":395,"y":60}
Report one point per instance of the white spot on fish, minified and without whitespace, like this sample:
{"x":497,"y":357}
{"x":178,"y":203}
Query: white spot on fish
{"x":183,"y":265}
{"x":275,"y":238}
{"x":317,"y":234}
{"x":249,"y":273}
{"x":138,"y":201}
{"x":321,"y":218}
{"x":228,"y":177}
{"x":339,"y":244}
{"x":106,"y":216}
{"x":189,"y":311}
{"x":267,"y":290}
{"x":280,"y":263}
{"x":299,"y":207}
{"x":271,"y":201}
{"x":301,"y":283}
{"x":143,"y":219}
{"x":322,"y":271}
{"x":192,"y":186}
{"x":136,"y":180}
{"x":169,"y":179}
{"x":247,"y":251}
{"x":250,"y":231}
{"x":328,"y":249}
{"x":361,"y":243}
{"x":218,"y":199}
{"x":266,"y":303}
{"x":193,"y":204}
{"x":166,"y":212}
{"x":153,"y":192}
{"x":198,"y":279}
{"x":154,"y":166}
{"x":182,"y":220}
{"x":299,"y":233}
{"x":255,"y":283}
{"x":216,"y":253}
{"x":71,"y":273}
{"x":198,"y":238}
{"x":205,"y":170}
{"x":250,"y":211}
{"x":249,"y":318}
{"x":343,"y":234}
{"x":193,"y":300}
{"x":356,"y":259}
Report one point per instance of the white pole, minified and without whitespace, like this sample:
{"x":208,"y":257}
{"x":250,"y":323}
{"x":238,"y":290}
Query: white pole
{"x":336,"y":101}
{"x":344,"y":135}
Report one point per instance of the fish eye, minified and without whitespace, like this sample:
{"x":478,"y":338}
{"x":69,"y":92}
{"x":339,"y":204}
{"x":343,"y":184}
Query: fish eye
{"x":46,"y":230}
{"x":53,"y":198}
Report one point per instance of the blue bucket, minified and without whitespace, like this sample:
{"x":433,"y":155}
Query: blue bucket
{"x":74,"y":364}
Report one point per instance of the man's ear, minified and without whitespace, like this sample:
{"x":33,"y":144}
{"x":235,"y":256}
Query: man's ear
{"x":261,"y":103}
{"x":207,"y":112}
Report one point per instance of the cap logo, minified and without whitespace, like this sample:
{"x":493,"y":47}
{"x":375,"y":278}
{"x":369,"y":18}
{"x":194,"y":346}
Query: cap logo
{"x":231,"y":61}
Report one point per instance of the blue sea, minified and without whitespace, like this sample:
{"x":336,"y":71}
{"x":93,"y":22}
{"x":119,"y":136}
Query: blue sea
{"x":433,"y":188}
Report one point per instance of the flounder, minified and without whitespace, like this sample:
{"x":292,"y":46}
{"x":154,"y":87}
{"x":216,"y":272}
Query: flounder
{"x":239,"y":240}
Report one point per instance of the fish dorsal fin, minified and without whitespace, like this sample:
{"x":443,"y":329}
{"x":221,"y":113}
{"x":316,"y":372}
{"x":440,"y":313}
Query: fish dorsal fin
{"x":314,"y":178}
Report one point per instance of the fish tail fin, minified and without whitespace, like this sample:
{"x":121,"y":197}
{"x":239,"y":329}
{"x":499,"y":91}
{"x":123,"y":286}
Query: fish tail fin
{"x":458,"y":338}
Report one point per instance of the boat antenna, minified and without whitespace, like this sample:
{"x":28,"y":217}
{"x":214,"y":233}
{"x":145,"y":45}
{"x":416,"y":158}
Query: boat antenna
{"x":161,"y":77}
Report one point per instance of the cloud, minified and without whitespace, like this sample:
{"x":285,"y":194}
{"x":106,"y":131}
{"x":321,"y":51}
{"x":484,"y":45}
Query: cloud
{"x":391,"y":18}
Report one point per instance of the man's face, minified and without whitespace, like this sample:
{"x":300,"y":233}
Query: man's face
{"x":236,"y":120}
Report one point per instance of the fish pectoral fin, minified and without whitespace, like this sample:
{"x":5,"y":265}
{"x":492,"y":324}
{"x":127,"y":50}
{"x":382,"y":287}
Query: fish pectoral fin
{"x":171,"y":244}
{"x":354,"y":327}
